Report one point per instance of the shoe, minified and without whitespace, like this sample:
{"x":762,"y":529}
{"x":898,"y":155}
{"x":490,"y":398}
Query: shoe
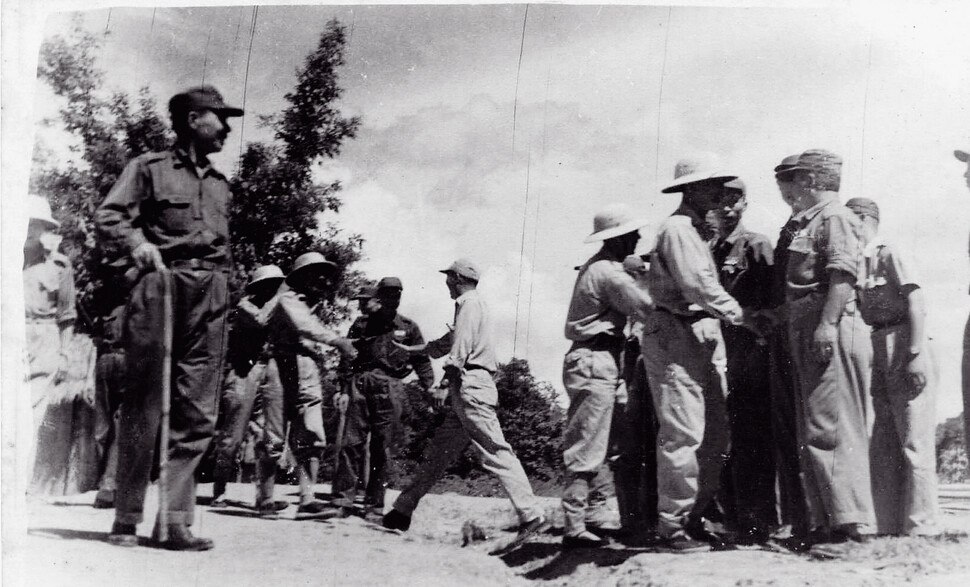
{"x":123,"y":535}
{"x":180,"y":538}
{"x":639,"y":539}
{"x":584,"y":539}
{"x":311,"y":507}
{"x":268,"y":511}
{"x":533,"y":526}
{"x":853,"y":533}
{"x":104,"y":500}
{"x":684,"y":545}
{"x":219,"y":502}
{"x":280,"y":505}
{"x":395,"y":520}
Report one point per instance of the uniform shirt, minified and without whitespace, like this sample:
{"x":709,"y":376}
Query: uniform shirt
{"x":376,"y":335}
{"x":292,"y":327}
{"x":470,"y":344}
{"x":745,"y":262}
{"x":164,"y":199}
{"x":779,"y":282}
{"x":49,"y":289}
{"x":884,"y":284}
{"x":247,"y":334}
{"x":826,"y":239}
{"x":683,"y":277}
{"x":603,"y":297}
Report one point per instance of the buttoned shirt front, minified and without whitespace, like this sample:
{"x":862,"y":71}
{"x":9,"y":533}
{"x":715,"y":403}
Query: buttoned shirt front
{"x":470,"y":343}
{"x":745,"y":260}
{"x":49,"y":290}
{"x":884,"y":284}
{"x":827,"y":239}
{"x":165,"y":199}
{"x":604,"y":296}
{"x":683,"y":278}
{"x":376,"y":335}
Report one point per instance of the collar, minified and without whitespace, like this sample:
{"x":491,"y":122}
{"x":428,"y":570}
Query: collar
{"x":738,"y":231}
{"x":696,"y":219}
{"x":466,"y":296}
{"x":203,"y":168}
{"x":805,"y":216}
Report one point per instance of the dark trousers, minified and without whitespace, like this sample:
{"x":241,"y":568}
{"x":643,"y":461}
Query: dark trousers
{"x":748,"y":479}
{"x":784,"y":429}
{"x":199,"y":339}
{"x":635,"y":468}
{"x":109,"y":392}
{"x":375,"y":408}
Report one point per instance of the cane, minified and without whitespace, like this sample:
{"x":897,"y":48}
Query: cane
{"x":167,"y":318}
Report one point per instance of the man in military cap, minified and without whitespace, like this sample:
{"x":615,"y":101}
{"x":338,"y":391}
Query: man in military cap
{"x":469,"y":385}
{"x":680,"y":341}
{"x":378,"y":391}
{"x":964,"y":157}
{"x":831,"y":350}
{"x":295,"y":334}
{"x":744,"y":262}
{"x":170,"y":211}
{"x":604,"y":297}
{"x":252,"y":372}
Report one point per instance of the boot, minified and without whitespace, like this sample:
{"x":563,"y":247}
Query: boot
{"x":181,"y":538}
{"x":123,"y":535}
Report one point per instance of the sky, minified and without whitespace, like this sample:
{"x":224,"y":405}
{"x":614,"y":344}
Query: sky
{"x":496,"y":132}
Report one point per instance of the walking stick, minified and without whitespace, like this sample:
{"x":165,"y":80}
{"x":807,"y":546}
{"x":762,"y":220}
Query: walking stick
{"x":167,"y":327}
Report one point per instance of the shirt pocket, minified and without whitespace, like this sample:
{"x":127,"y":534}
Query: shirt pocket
{"x":175,"y":212}
{"x":803,"y":258}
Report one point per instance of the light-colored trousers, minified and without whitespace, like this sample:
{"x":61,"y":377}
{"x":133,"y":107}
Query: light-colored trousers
{"x":472,"y":419}
{"x":591,"y":377}
{"x":902,"y":450}
{"x":689,"y":399}
{"x":833,"y":433}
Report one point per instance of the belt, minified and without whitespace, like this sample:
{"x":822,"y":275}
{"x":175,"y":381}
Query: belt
{"x":602,"y":342}
{"x":888,"y":324}
{"x":689,"y":316}
{"x":474,"y":367}
{"x":41,"y":319}
{"x":198,"y":264}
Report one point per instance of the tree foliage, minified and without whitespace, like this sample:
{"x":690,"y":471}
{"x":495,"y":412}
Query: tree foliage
{"x":276,"y":201}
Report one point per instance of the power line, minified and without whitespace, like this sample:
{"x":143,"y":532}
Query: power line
{"x":660,"y":98}
{"x":249,"y":57}
{"x":525,"y":211}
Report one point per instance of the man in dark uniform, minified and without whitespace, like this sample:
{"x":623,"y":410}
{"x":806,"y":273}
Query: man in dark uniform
{"x":744,"y":262}
{"x":170,"y":210}
{"x":376,"y":405}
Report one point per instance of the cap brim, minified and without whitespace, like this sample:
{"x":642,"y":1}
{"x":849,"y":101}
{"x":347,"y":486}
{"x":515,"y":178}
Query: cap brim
{"x":962,"y":155}
{"x":628,"y":227}
{"x":678,"y":185}
{"x":229,"y":111}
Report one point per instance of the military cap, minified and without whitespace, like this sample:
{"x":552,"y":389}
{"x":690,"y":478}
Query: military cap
{"x":786,"y":164}
{"x":390,"y":282}
{"x":864,"y":206}
{"x":202,"y":98}
{"x":817,"y":160}
{"x":463,"y":268}
{"x":366,"y":292}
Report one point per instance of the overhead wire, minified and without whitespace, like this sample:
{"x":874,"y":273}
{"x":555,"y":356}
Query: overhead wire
{"x":525,"y":211}
{"x":660,"y":97}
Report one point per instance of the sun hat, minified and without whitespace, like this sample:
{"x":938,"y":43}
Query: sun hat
{"x":702,"y":168}
{"x":612,"y":221}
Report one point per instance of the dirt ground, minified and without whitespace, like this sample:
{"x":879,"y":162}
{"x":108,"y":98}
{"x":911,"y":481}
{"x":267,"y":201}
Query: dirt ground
{"x":65,"y":545}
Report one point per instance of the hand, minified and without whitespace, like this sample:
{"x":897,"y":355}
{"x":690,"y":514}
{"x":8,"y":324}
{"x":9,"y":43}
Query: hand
{"x":634,"y":265}
{"x":346,"y":347}
{"x":413,"y":349}
{"x":823,"y":342}
{"x":706,"y":330}
{"x":341,"y":401}
{"x":63,"y":365}
{"x":439,"y":394}
{"x":147,"y":257}
{"x":915,"y":376}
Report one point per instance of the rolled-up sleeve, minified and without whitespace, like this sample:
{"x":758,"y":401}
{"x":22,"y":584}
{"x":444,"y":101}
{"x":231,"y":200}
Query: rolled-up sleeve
{"x":843,"y":249}
{"x":117,"y":216}
{"x":627,"y":295}
{"x":689,"y":262}
{"x":304,"y":323}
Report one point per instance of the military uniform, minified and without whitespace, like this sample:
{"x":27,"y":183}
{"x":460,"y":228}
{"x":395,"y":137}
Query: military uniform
{"x":902,"y":449}
{"x":167,"y":200}
{"x":377,"y":404}
{"x":109,"y":386}
{"x":745,"y":260}
{"x":833,"y":433}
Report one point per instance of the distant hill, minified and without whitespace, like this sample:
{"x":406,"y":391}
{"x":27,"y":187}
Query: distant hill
{"x":951,"y":455}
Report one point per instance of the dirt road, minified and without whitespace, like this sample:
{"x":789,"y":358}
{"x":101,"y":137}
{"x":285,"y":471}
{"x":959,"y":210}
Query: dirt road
{"x":65,"y":546}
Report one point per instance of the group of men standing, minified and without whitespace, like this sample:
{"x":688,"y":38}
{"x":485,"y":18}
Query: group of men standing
{"x":758,"y":362}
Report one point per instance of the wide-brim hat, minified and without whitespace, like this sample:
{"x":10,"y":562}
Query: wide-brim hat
{"x":612,"y":221}
{"x":463,"y":268}
{"x":310,"y":262}
{"x":962,"y":155}
{"x":700,"y":169}
{"x":266,"y":275}
{"x":39,"y":209}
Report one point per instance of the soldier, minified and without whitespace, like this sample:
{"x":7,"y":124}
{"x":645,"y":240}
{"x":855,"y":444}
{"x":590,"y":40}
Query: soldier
{"x":251,"y":373}
{"x":376,"y":407}
{"x":744,"y":262}
{"x":468,"y":383}
{"x":964,"y":157}
{"x":50,"y":314}
{"x":604,"y":297}
{"x":169,"y":210}
{"x":295,"y":334}
{"x":831,"y":351}
{"x":680,"y":342}
{"x":902,"y":448}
